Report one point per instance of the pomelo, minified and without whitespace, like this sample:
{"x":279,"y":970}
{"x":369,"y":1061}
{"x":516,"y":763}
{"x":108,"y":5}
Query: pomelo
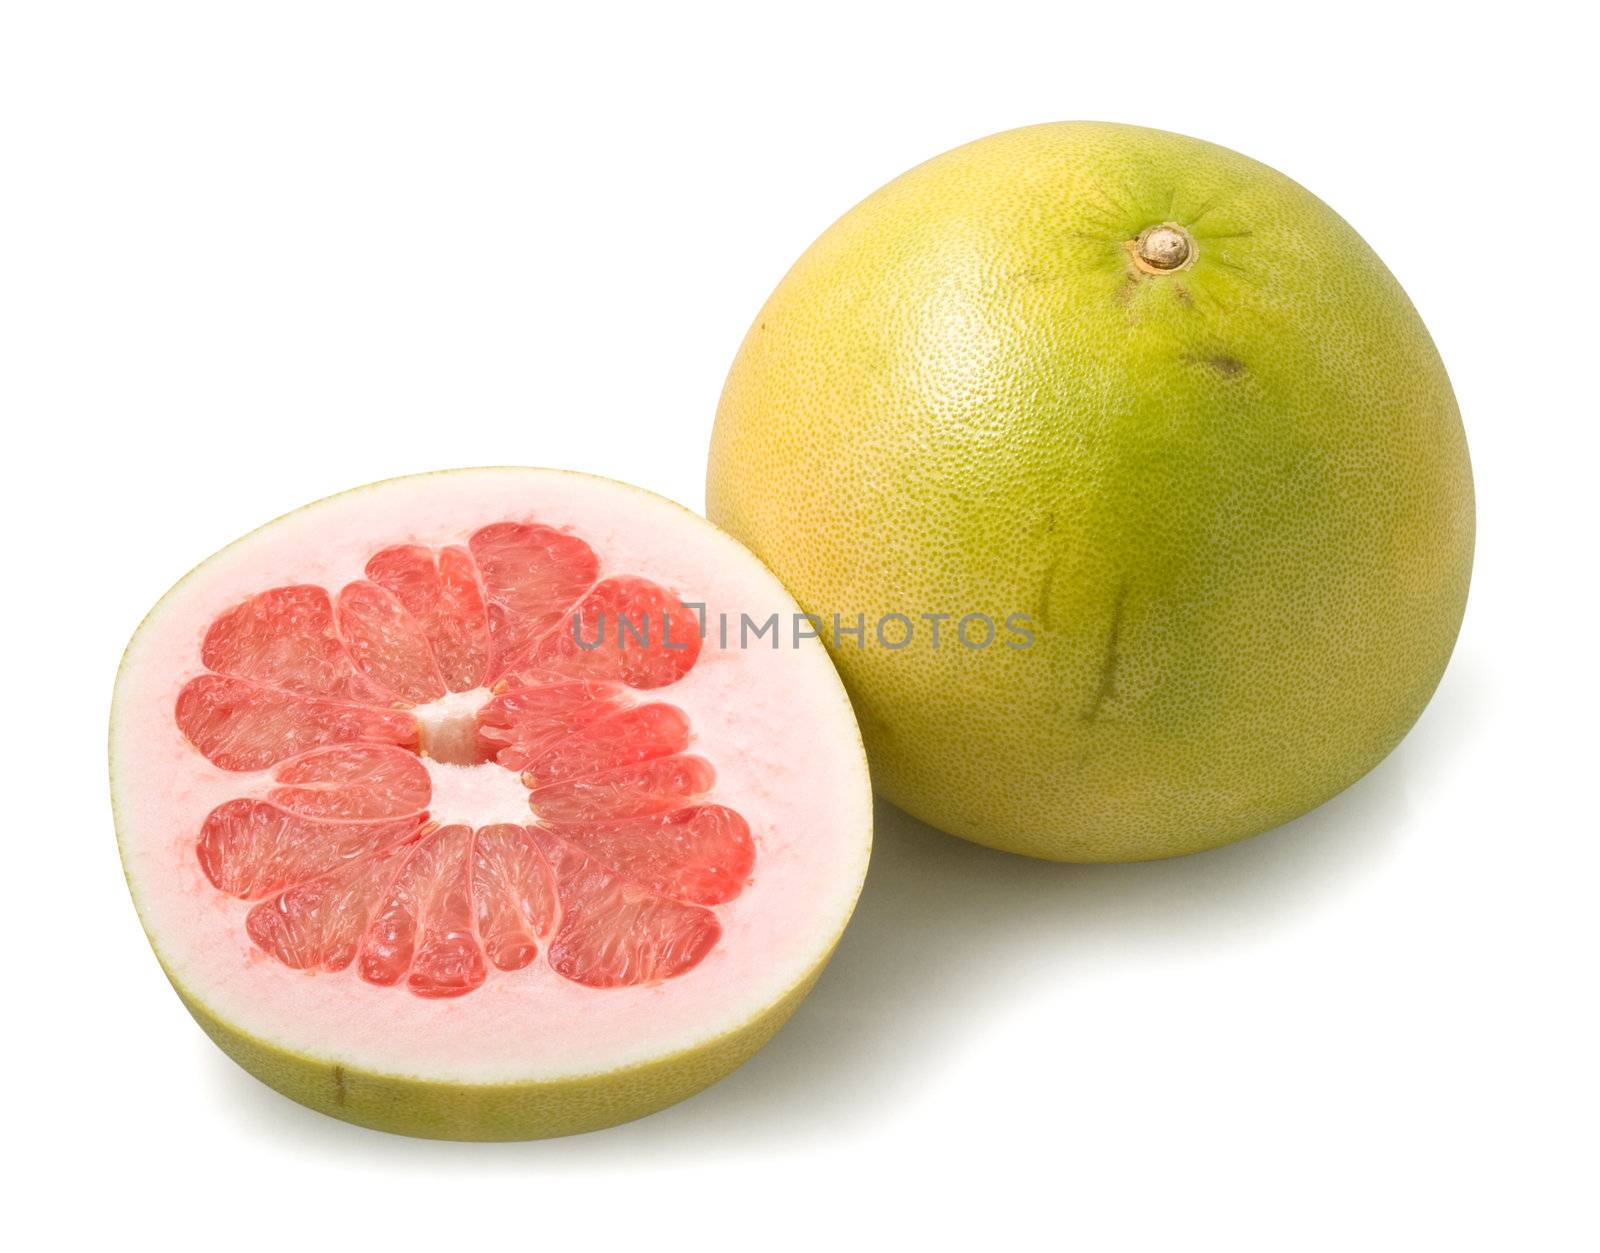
{"x":445,"y":817}
{"x":1158,"y":408}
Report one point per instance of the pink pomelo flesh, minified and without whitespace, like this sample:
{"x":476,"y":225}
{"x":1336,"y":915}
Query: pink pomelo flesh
{"x":613,"y":874}
{"x":439,"y":779}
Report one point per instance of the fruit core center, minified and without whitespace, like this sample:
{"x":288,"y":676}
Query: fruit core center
{"x":479,"y":796}
{"x":448,"y":728}
{"x":1162,"y":249}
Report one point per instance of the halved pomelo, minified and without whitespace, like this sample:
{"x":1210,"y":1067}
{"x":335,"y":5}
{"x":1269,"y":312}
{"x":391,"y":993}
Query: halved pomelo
{"x":445,"y":814}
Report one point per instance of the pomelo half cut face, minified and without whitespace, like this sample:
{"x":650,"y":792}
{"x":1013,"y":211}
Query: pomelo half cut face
{"x":445,"y":814}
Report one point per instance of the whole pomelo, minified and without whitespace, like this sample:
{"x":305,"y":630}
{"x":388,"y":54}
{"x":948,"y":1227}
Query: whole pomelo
{"x":1160,"y":400}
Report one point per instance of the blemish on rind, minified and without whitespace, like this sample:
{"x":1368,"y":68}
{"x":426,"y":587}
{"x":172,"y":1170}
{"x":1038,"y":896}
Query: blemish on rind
{"x":1041,"y":611}
{"x":1225,"y":365}
{"x":1107,"y":686}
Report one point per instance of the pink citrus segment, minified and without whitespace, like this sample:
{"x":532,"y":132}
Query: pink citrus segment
{"x":449,"y":960}
{"x":444,"y":598}
{"x":402,"y":911}
{"x":285,"y":638}
{"x":702,"y":854}
{"x":253,"y":849}
{"x":616,"y":933}
{"x":352,"y":781}
{"x":618,"y":737}
{"x":239,"y":725}
{"x":514,"y":891}
{"x":522,"y":722}
{"x":319,"y":924}
{"x":423,"y":931}
{"x":387,"y":644}
{"x":628,"y":630}
{"x":435,"y":912}
{"x":644,"y":787}
{"x":531,"y":577}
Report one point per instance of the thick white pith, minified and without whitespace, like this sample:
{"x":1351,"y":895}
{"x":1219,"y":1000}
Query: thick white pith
{"x":775,"y":724}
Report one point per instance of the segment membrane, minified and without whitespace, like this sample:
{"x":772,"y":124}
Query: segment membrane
{"x":702,"y":854}
{"x":318,"y":925}
{"x":251,"y":849}
{"x":531,"y":577}
{"x":645,"y":787}
{"x":615,"y":738}
{"x":238,"y":725}
{"x":523,"y":722}
{"x":445,"y":600}
{"x":514,"y":891}
{"x":387,"y":645}
{"x":284,"y":638}
{"x":424,"y":932}
{"x":628,"y":630}
{"x":353,"y":781}
{"x":614,"y":933}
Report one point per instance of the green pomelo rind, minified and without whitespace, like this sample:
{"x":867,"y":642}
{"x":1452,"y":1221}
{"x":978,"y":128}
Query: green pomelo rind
{"x":438,"y":1110}
{"x":1235,"y":498}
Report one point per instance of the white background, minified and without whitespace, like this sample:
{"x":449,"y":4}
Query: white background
{"x":255,"y":254}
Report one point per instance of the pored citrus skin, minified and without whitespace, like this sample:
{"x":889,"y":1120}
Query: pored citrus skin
{"x":1165,"y":402}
